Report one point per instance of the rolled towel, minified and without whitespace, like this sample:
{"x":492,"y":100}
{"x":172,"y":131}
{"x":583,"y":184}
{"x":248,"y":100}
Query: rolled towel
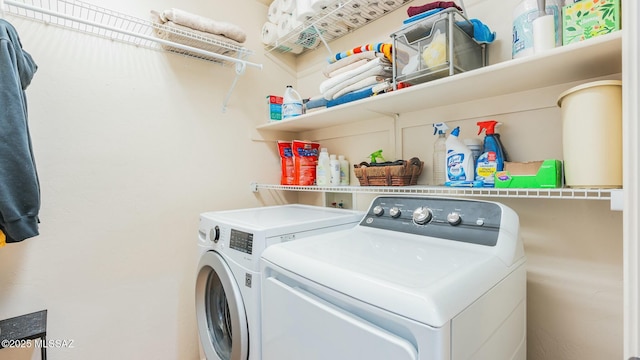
{"x":274,"y":11}
{"x":269,"y":33}
{"x":204,"y":24}
{"x":304,"y":11}
{"x":287,"y":6}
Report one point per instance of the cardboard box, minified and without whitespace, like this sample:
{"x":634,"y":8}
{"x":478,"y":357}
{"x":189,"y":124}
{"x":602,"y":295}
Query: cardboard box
{"x":589,"y":18}
{"x":530,"y":175}
{"x":274,"y":107}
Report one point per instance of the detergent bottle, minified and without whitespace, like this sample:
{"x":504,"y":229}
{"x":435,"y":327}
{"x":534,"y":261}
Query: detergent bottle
{"x":291,"y":103}
{"x":440,"y":154}
{"x":323,"y":169}
{"x":459,"y":160}
{"x":492,"y":158}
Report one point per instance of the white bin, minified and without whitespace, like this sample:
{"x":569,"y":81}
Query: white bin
{"x":592,"y":134}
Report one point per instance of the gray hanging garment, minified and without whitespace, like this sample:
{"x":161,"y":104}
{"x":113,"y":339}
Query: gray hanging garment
{"x":19,"y":186}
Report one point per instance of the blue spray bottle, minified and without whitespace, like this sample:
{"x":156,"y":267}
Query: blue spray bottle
{"x":492,"y":158}
{"x":440,"y":154}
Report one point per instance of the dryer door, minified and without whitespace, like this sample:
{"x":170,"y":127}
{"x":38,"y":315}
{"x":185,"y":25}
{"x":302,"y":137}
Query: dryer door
{"x":222,"y":321}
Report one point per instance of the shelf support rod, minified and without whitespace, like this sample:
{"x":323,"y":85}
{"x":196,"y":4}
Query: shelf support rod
{"x":326,"y":45}
{"x":240,"y":68}
{"x":130,"y":33}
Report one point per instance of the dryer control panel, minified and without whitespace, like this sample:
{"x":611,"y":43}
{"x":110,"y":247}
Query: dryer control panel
{"x":471,"y":221}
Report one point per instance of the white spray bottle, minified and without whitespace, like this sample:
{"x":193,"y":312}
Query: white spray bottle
{"x":440,"y":154}
{"x":459,"y":159}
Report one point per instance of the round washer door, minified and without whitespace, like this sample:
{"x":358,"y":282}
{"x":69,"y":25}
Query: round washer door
{"x":222,"y":321}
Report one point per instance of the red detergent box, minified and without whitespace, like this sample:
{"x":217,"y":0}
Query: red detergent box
{"x":274,"y":107}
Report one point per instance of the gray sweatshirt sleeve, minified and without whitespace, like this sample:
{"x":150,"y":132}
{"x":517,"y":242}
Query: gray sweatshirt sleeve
{"x":19,"y":186}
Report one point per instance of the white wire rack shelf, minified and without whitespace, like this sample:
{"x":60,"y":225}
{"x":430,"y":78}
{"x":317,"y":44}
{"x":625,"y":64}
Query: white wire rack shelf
{"x":336,"y":20}
{"x":98,"y":21}
{"x":557,"y":193}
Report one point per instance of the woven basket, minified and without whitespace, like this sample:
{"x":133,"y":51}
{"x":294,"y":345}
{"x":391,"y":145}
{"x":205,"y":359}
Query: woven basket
{"x":393,"y":175}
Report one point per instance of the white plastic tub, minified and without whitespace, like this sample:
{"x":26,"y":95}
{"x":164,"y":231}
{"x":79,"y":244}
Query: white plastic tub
{"x":592,"y":134}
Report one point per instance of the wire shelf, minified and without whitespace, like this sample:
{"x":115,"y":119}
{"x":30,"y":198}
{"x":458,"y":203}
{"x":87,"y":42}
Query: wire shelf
{"x":117,"y":26}
{"x":336,"y":20}
{"x":556,"y":193}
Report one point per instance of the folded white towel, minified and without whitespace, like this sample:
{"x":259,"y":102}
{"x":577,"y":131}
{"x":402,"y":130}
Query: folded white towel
{"x":375,"y":71}
{"x":369,"y":55}
{"x":364,"y":83}
{"x":204,"y":24}
{"x":377,"y":63}
{"x":348,"y":68}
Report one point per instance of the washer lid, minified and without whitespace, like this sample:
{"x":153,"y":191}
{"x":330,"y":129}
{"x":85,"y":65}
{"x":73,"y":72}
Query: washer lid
{"x":275,"y":220}
{"x":421,"y":278}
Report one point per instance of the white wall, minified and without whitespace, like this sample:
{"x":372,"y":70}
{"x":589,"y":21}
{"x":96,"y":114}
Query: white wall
{"x":131,"y":145}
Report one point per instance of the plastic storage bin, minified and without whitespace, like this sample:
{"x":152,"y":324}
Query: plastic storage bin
{"x":437,"y":46}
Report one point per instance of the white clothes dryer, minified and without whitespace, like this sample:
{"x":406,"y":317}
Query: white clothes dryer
{"x":228,"y":278}
{"x":420,"y":278}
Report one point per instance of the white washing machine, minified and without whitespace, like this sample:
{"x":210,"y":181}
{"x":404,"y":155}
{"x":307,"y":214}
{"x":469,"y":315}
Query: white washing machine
{"x":419,"y":278}
{"x":228,"y":277}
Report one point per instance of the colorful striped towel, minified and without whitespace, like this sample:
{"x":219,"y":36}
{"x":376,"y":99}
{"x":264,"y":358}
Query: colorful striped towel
{"x":384,"y":48}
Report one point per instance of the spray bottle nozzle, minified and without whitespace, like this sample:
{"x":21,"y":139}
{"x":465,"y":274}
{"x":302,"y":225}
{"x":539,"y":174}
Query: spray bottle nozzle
{"x":489,"y":126}
{"x":440,"y":128}
{"x":376,"y":156}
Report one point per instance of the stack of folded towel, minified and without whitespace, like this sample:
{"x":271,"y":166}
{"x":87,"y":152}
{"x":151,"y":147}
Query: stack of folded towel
{"x":196,"y":31}
{"x":355,"y":74}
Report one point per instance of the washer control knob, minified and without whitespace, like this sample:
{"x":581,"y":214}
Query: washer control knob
{"x":454,"y":218}
{"x":395,"y":212}
{"x":422,"y":215}
{"x":378,"y":210}
{"x":214,"y":234}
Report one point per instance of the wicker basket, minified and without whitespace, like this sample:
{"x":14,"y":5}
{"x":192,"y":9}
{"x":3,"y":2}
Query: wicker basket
{"x":392,"y":175}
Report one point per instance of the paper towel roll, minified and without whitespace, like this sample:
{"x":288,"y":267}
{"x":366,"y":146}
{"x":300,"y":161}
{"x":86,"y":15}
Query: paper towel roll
{"x":340,"y":12}
{"x":337,"y":29}
{"x":304,"y":11}
{"x":274,"y":11}
{"x":354,"y":20}
{"x":544,"y":35}
{"x":287,"y":6}
{"x":285,"y":24}
{"x":269,"y":33}
{"x":390,"y":4}
{"x":371,"y":11}
{"x":319,"y":5}
{"x":380,"y":4}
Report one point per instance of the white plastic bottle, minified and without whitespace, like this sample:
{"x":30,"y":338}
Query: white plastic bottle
{"x":459,"y":159}
{"x":291,"y":103}
{"x":334,"y":165}
{"x":323,"y":169}
{"x":344,"y":170}
{"x":523,"y":15}
{"x":440,"y":154}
